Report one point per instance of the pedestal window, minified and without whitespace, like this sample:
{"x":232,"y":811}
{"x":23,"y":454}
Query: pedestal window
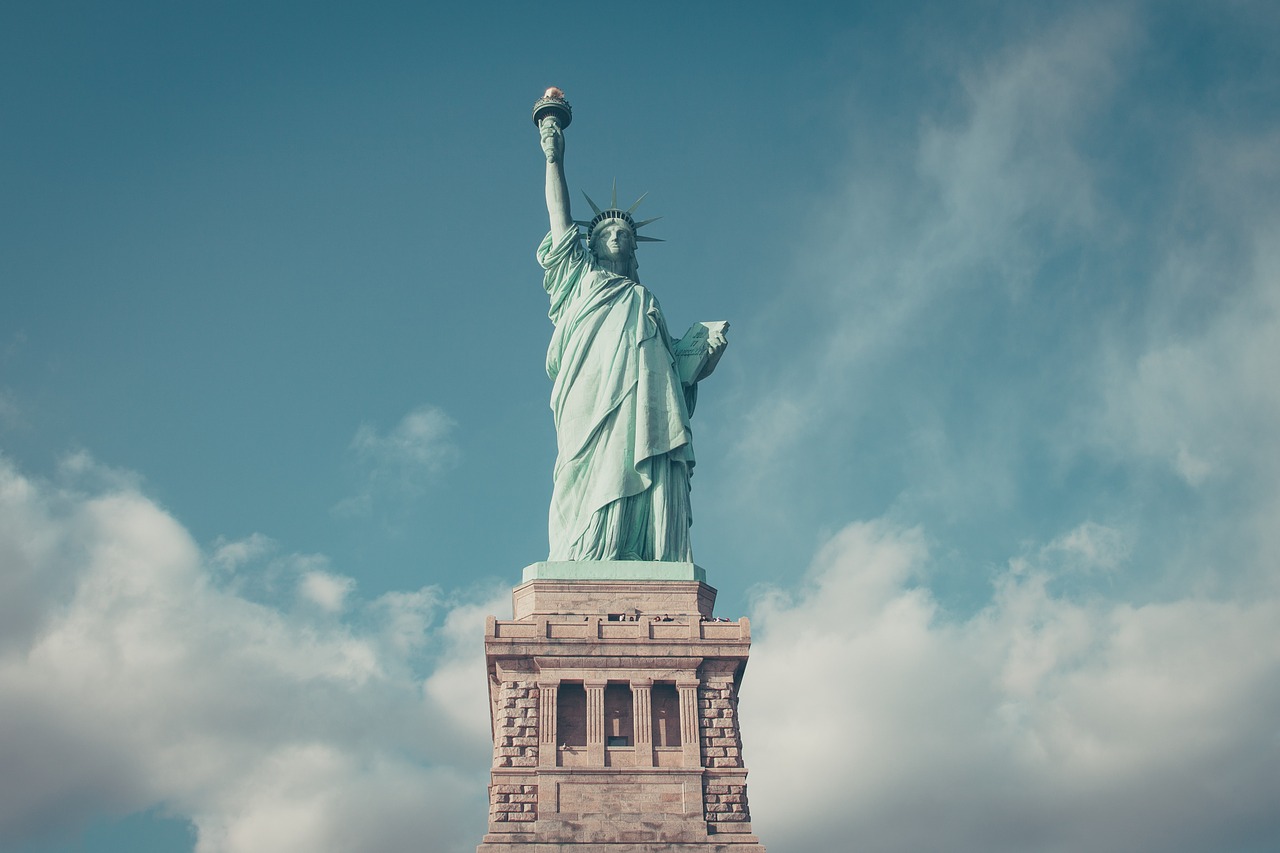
{"x":619,"y":726}
{"x":666,"y":715}
{"x":571,"y":714}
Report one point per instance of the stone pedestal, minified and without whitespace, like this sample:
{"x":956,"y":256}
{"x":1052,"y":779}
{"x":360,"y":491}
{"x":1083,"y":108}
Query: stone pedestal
{"x":614,"y":705}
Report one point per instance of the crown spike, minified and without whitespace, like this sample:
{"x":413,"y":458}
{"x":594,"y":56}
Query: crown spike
{"x":615,"y":214}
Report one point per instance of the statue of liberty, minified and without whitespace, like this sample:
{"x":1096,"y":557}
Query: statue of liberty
{"x":623,"y":389}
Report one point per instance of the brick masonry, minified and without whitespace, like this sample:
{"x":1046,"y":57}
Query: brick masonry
{"x":513,"y":803}
{"x":718,"y":726}
{"x":515,"y":729}
{"x":723,"y":802}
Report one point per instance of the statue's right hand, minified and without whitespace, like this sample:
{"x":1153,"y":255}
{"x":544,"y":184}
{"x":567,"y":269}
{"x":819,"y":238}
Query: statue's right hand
{"x":552,"y":139}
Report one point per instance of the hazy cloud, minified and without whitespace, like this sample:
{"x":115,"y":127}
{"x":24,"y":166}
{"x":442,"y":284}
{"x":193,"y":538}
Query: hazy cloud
{"x":935,"y":369}
{"x":1204,"y":401}
{"x":419,"y":440}
{"x":1027,"y":308}
{"x":232,"y":554}
{"x":404,"y":617}
{"x":399,"y":463}
{"x":1089,"y":547}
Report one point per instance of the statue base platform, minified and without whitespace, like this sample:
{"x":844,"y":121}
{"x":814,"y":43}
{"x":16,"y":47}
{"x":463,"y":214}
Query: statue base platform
{"x":614,"y":570}
{"x":618,"y":590}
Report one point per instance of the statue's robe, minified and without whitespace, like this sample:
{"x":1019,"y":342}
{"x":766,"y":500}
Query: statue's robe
{"x":621,"y":413}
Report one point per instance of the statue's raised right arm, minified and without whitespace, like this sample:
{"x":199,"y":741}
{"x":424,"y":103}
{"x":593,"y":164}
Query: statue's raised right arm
{"x":557,"y":188}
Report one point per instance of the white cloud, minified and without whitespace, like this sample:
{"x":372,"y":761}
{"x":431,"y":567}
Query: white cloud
{"x":455,"y":672}
{"x":873,"y":721}
{"x":421,"y":438}
{"x":400,"y":463}
{"x":314,"y":798}
{"x":325,"y":590}
{"x":132,"y":679}
{"x":404,"y":617}
{"x":231,"y":554}
{"x":1087,"y":548}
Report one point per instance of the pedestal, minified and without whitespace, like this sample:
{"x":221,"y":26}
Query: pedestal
{"x":614,"y":704}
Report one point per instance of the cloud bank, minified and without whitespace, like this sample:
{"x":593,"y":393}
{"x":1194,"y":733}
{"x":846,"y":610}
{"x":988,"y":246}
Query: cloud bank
{"x":132,"y":674}
{"x":1047,"y":721}
{"x":1044,"y":722}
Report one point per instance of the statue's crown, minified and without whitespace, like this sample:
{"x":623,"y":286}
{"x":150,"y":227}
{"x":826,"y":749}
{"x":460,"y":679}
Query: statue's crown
{"x":614,"y":212}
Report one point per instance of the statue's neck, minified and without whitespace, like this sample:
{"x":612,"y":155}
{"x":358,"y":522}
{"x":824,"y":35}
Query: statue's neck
{"x":626,"y":268}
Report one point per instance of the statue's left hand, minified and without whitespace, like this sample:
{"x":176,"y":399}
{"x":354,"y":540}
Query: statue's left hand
{"x":717,"y":343}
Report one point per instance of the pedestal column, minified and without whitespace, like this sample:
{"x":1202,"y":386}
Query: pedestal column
{"x":689,"y":723}
{"x":595,"y":723}
{"x":548,"y":697}
{"x":642,"y":723}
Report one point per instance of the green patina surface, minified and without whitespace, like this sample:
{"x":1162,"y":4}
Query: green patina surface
{"x":623,"y":389}
{"x":628,"y":570}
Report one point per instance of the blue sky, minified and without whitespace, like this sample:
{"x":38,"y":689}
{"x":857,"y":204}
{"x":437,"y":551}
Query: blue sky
{"x":992,"y":462}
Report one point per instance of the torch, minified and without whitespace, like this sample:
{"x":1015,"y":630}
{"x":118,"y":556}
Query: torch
{"x":554,"y":108}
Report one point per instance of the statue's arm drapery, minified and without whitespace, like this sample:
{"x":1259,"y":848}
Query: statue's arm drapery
{"x":565,"y":263}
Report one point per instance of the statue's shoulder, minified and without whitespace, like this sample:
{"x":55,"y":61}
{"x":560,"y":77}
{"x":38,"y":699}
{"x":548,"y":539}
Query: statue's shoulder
{"x":568,"y":247}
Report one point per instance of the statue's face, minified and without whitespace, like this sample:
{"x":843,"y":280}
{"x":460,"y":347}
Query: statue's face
{"x":613,"y":240}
